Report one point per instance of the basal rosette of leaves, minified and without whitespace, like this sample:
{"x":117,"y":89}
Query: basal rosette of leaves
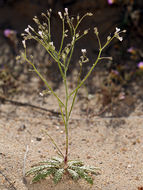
{"x":56,"y":168}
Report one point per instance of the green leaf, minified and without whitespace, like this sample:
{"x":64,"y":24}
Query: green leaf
{"x":88,"y":178}
{"x":51,"y":162}
{"x":60,"y":160}
{"x":90,"y":169}
{"x":41,"y":175}
{"x":73,"y":174}
{"x":75,"y":163}
{"x":84,"y":175}
{"x":38,"y":168}
{"x":58,"y":175}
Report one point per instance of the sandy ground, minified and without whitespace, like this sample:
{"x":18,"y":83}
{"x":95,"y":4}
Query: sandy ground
{"x":113,"y":144}
{"x":112,"y":141}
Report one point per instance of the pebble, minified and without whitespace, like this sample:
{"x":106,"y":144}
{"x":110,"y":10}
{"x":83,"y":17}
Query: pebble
{"x":57,"y":127}
{"x":38,"y":138}
{"x":129,"y":166}
{"x":22,"y":128}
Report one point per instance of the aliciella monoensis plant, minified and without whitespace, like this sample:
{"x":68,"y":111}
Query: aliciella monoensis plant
{"x":58,"y":166}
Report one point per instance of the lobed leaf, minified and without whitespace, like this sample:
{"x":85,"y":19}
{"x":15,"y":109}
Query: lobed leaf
{"x":82,"y":173}
{"x":58,"y":175}
{"x":42,"y":175}
{"x":73,"y":174}
{"x":59,"y":160}
{"x":88,"y":178}
{"x":91,"y":170}
{"x":75,"y":163}
{"x":38,"y":168}
{"x":51,"y":162}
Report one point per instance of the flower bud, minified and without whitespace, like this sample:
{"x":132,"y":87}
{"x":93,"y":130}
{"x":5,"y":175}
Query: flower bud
{"x":24,"y":44}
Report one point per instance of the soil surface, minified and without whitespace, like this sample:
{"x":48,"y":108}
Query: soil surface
{"x":105,"y":130}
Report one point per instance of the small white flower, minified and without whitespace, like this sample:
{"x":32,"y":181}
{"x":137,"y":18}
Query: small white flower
{"x":40,"y":33}
{"x":24,"y":44}
{"x":66,"y":11}
{"x":51,"y":43}
{"x":27,"y":30}
{"x":83,"y":50}
{"x":60,"y":14}
{"x":117,"y":30}
{"x":120,"y":38}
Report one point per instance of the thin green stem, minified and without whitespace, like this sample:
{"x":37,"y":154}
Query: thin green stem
{"x":87,"y":75}
{"x":62,"y":112}
{"x":108,"y":42}
{"x":66,"y":118}
{"x":63,"y":36}
{"x":80,"y":21}
{"x":52,"y":140}
{"x":74,"y":97}
{"x":49,"y":28}
{"x":99,"y":42}
{"x":55,"y":58}
{"x":98,"y":58}
{"x":43,"y":79}
{"x":71,"y":52}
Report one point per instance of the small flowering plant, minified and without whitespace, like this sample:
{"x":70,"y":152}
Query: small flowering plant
{"x":58,"y":166}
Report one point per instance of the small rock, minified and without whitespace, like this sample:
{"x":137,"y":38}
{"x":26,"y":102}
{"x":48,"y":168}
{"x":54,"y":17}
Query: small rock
{"x":88,"y":157}
{"x":22,"y":128}
{"x":57,"y":127}
{"x":38,"y":138}
{"x":129,"y":166}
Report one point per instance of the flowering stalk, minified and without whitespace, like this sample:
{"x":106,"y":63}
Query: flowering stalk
{"x":63,"y":58}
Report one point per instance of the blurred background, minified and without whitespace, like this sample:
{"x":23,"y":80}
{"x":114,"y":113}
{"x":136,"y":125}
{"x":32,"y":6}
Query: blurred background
{"x":119,"y":81}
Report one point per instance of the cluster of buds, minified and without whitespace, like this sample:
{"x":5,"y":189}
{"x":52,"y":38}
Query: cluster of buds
{"x":43,"y":34}
{"x":83,"y":58}
{"x":116,"y":35}
{"x":117,"y":32}
{"x":27,"y":35}
{"x":66,"y":13}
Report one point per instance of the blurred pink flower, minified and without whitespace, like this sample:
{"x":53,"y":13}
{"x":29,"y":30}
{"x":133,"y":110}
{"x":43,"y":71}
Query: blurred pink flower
{"x":140,"y":65}
{"x":121,"y":96}
{"x":8,"y":32}
{"x":110,"y":2}
{"x":132,"y":50}
{"x":115,"y":72}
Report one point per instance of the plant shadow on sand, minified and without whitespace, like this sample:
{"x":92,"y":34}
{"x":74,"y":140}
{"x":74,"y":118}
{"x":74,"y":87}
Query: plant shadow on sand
{"x":65,"y":184}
